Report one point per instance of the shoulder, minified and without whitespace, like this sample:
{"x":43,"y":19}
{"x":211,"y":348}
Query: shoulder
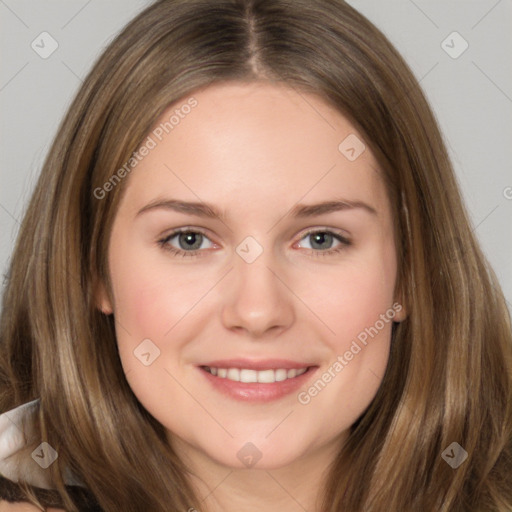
{"x":15,"y":427}
{"x":18,"y":462}
{"x":16,"y":434}
{"x":13,"y":498}
{"x":5,"y":506}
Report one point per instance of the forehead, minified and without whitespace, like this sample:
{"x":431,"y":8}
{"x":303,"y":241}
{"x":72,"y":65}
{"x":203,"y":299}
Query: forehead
{"x":259,"y":142}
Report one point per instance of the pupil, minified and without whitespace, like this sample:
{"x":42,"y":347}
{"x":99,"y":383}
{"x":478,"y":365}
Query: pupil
{"x":320,"y":239}
{"x":190,"y":240}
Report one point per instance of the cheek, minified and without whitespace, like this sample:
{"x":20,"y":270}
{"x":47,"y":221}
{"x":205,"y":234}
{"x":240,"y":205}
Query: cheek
{"x":152,"y":295}
{"x":363,"y":300}
{"x":355,"y":301}
{"x":351,"y":298}
{"x":346,"y":384}
{"x":152,"y":299}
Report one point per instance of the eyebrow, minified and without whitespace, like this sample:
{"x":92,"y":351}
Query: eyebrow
{"x":301,"y":210}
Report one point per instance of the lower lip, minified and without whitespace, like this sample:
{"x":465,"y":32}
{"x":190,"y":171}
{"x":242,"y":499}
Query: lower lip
{"x":257,"y":391}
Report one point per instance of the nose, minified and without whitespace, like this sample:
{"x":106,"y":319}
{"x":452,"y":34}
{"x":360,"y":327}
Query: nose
{"x":256,"y":300}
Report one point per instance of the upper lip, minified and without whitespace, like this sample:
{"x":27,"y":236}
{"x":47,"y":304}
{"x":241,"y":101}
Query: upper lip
{"x":252,"y":364}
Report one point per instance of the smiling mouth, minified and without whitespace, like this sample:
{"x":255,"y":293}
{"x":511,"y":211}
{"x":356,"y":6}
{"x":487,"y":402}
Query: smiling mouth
{"x":249,"y":376}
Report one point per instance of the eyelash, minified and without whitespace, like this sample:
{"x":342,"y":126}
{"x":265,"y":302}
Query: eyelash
{"x":164,"y":243}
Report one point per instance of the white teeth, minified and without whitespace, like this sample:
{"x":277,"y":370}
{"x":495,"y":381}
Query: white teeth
{"x":234,"y":374}
{"x":248,"y":376}
{"x":281,"y":375}
{"x":252,"y":376}
{"x":265,"y":376}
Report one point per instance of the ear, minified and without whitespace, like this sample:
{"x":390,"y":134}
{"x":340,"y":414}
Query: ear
{"x":102,"y":297}
{"x":400,"y":310}
{"x":399,"y":306}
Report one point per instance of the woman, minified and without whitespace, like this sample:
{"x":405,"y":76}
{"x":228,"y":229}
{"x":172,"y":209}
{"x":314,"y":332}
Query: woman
{"x":176,"y":333}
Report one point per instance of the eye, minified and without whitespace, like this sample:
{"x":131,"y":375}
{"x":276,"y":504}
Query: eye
{"x":321,"y":241}
{"x":190,"y":242}
{"x":185,"y":242}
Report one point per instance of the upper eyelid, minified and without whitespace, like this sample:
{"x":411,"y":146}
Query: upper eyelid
{"x":178,"y":231}
{"x":340,"y":232}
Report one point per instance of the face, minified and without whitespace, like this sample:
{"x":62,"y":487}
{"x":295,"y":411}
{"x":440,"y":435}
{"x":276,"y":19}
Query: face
{"x":254,"y":241}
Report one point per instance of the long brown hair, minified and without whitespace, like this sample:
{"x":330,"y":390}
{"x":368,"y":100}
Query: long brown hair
{"x":449,"y":376}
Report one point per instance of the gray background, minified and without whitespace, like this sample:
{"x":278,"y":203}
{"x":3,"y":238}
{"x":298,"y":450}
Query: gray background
{"x":471,"y":94}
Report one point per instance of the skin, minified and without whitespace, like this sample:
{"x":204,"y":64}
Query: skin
{"x":23,"y":507}
{"x":253,"y":151}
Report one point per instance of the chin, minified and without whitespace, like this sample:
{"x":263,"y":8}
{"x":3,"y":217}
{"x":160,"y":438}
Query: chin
{"x":255,"y":455}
